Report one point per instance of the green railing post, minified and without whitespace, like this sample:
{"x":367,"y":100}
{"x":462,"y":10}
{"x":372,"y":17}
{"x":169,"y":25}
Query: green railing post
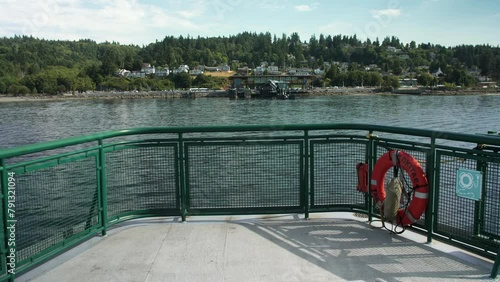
{"x":496,"y":266}
{"x":5,"y":234}
{"x":372,"y":158}
{"x":306,"y":174}
{"x":478,"y":206}
{"x":104,"y":192}
{"x":95,"y":201}
{"x":431,"y":173}
{"x":182,"y":176}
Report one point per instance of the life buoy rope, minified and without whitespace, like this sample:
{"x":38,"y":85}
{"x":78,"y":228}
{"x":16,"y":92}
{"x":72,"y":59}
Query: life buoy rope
{"x":420,"y":190}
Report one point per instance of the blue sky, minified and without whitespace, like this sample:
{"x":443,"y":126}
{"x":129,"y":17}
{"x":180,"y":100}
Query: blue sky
{"x":445,"y":22}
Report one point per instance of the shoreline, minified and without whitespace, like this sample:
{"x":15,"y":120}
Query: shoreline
{"x":224,"y":94}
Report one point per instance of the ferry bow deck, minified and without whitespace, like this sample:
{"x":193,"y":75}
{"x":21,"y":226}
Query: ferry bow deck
{"x":61,"y":194}
{"x":327,"y":247}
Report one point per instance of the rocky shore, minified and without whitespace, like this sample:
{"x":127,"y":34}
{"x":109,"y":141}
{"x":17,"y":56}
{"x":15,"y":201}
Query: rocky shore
{"x":224,"y":94}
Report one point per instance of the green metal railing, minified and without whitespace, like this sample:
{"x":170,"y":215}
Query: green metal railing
{"x":58,"y":194}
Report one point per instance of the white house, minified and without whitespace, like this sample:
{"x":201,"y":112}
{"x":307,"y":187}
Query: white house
{"x":148,"y":69}
{"x":319,"y":71}
{"x":438,"y":73}
{"x":304,"y":71}
{"x":195,"y":72}
{"x":182,"y":68}
{"x":137,"y":74}
{"x":122,"y":72}
{"x":273,"y":70}
{"x":162,"y":72}
{"x":225,"y":68}
{"x":212,"y":69}
{"x":259,"y":70}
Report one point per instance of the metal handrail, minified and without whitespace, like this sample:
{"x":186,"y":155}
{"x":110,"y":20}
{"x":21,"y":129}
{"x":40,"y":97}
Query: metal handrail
{"x":452,"y":136}
{"x":100,"y":149}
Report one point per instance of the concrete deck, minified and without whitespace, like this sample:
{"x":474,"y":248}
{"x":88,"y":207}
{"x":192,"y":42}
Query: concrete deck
{"x":328,"y":247}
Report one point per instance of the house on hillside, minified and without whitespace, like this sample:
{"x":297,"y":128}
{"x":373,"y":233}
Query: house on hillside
{"x":181,"y":68}
{"x":319,"y":71}
{"x":274,"y":70}
{"x":212,"y":69}
{"x":408,"y":82}
{"x":195,"y":72}
{"x":304,"y":71}
{"x":243,"y":70}
{"x":162,"y":72}
{"x":225,"y":68}
{"x":439,"y":73}
{"x":122,"y":72}
{"x":259,"y":70}
{"x":373,"y":67}
{"x":148,"y":69}
{"x":392,"y":49}
{"x":137,"y":74}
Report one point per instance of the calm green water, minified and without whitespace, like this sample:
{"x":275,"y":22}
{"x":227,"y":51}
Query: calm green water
{"x":31,"y":122}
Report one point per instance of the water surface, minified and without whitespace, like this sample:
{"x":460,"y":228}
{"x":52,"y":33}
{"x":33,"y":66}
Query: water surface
{"x":31,"y":122}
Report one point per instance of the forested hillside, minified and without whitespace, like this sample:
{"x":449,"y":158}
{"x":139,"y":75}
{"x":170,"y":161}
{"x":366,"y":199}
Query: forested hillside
{"x":31,"y":65}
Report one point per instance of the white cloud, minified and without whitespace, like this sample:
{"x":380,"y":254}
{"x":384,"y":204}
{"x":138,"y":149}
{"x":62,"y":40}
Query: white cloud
{"x":304,"y":8}
{"x":387,"y":12}
{"x":126,"y":21}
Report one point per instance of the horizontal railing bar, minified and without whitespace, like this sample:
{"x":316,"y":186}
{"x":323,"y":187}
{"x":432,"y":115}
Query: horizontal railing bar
{"x":403,"y":142}
{"x":85,"y":153}
{"x":466,"y":151}
{"x":160,"y":142}
{"x":28,"y":149}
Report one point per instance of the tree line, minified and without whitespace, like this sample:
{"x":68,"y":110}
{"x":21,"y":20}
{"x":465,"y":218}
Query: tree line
{"x":32,"y":65}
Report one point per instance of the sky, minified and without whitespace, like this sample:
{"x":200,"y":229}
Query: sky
{"x":140,"y":22}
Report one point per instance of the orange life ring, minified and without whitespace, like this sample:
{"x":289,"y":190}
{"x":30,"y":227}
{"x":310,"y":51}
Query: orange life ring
{"x":405,"y":161}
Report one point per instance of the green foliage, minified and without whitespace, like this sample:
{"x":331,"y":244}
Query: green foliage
{"x":426,"y":79}
{"x":211,"y":82}
{"x":450,"y":86}
{"x":352,"y":78}
{"x":116,"y":83}
{"x":390,"y":81}
{"x":53,"y":67}
{"x":3,"y":87}
{"x":18,"y":90}
{"x":182,"y":80}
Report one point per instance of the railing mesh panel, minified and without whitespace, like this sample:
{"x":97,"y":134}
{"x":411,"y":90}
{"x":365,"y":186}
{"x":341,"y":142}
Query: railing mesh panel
{"x":492,"y":200}
{"x":455,"y":215}
{"x":53,"y":204}
{"x":244,"y":175}
{"x":334,"y":175}
{"x":141,"y":178}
